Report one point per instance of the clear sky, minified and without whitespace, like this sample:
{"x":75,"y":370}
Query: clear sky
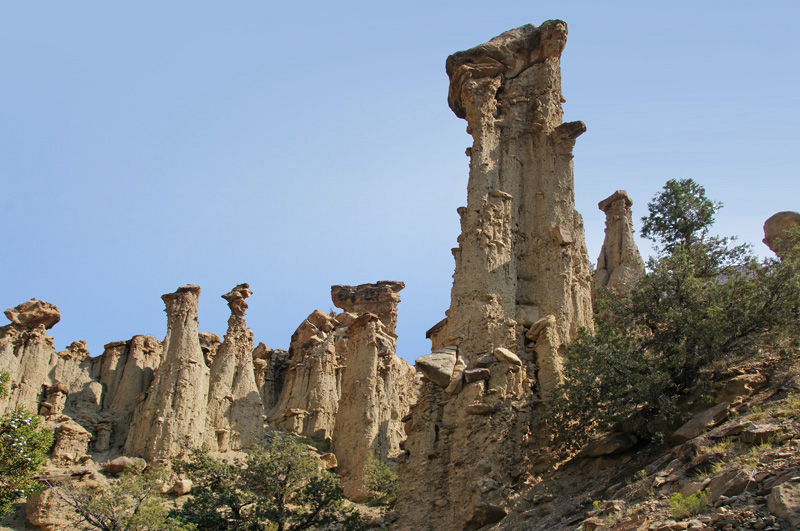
{"x":295,"y":145}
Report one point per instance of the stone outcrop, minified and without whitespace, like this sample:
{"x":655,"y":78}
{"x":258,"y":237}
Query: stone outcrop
{"x":235,"y":416}
{"x":344,"y":383}
{"x":776,"y":226}
{"x":166,"y":422}
{"x":521,"y":288}
{"x":619,"y":265}
{"x":270,"y":367}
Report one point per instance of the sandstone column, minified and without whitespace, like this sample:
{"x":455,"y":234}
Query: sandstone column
{"x":619,"y":265}
{"x":170,"y":419}
{"x":235,"y":412}
{"x":521,"y":287}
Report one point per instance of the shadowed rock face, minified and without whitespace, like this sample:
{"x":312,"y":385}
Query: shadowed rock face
{"x":775,"y":227}
{"x":619,"y":265}
{"x":166,"y":423}
{"x":521,"y":287}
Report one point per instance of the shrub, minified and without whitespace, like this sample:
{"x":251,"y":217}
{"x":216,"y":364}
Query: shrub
{"x":703,"y":302}
{"x":684,"y":507}
{"x":381,"y":481}
{"x":279,"y":487}
{"x":24,"y":444}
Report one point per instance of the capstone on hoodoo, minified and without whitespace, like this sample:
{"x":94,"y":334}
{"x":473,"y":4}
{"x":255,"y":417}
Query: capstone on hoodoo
{"x":521,"y":288}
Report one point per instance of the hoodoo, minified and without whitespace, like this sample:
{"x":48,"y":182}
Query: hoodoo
{"x":619,"y":265}
{"x":521,"y":287}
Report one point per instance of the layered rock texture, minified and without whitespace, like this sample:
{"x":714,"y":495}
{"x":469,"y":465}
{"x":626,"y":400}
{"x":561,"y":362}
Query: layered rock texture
{"x":235,"y":417}
{"x":619,"y":265}
{"x":344,"y":384}
{"x":521,"y":287}
{"x":776,"y":226}
{"x":340,"y":384}
{"x":168,"y":421}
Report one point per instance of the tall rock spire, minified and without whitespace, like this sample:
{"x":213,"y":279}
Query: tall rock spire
{"x":521,"y":288}
{"x":235,"y":411}
{"x":166,"y":422}
{"x":619,"y":265}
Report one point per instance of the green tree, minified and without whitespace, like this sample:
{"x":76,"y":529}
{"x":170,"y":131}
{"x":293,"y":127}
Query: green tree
{"x":133,"y":503}
{"x":278,"y":487}
{"x":24,"y":444}
{"x":680,"y":214}
{"x":703,"y":302}
{"x":381,"y":482}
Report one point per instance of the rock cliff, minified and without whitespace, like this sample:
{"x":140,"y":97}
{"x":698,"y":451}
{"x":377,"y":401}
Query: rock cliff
{"x":521,"y":287}
{"x":619,"y":265}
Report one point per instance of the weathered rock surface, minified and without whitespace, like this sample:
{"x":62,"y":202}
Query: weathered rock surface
{"x":380,"y":299}
{"x":619,"y":265}
{"x":34,"y":313}
{"x":166,"y":423}
{"x":344,"y":383}
{"x":234,"y":419}
{"x":521,"y":286}
{"x":776,"y":226}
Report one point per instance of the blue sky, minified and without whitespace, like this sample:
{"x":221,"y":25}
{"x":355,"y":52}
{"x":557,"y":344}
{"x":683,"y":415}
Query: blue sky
{"x":295,"y":146}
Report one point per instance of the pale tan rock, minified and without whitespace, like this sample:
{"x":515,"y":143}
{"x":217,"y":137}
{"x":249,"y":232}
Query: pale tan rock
{"x":380,"y":299}
{"x":165,"y":423}
{"x":270,"y":367}
{"x":234,"y":418}
{"x":117,"y":466}
{"x":521,"y":257}
{"x":182,"y":487}
{"x":784,"y":502}
{"x":438,"y":366}
{"x":48,"y":512}
{"x":701,"y":422}
{"x":127,"y":369}
{"x":619,"y":265}
{"x":71,"y":442}
{"x":34,"y":313}
{"x":776,"y":226}
{"x":506,"y":356}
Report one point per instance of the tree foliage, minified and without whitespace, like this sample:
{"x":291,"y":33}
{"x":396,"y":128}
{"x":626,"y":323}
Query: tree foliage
{"x":381,"y":482}
{"x":134,"y":503}
{"x":24,"y":444}
{"x":703,"y":302}
{"x":278,"y":487}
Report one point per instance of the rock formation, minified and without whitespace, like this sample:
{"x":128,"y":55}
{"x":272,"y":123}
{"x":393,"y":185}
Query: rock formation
{"x":619,"y":265}
{"x":775,"y":227}
{"x":170,"y":419}
{"x":521,"y":287}
{"x":344,"y":383}
{"x":235,"y":411}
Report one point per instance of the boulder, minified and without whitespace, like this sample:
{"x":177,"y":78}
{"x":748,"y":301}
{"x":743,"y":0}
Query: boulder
{"x":777,"y":225}
{"x":438,"y":366}
{"x":701,"y":422}
{"x":34,"y":313}
{"x":784,"y":502}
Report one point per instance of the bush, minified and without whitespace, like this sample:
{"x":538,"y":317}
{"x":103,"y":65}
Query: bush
{"x":703,"y":302}
{"x":279,"y":487}
{"x":24,"y":445}
{"x":134,"y":503}
{"x":684,"y":507}
{"x":381,"y":482}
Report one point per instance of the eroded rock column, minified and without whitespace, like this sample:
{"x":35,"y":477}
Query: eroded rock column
{"x":619,"y":265}
{"x":235,"y":412}
{"x":521,"y":287}
{"x":169,"y":420}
